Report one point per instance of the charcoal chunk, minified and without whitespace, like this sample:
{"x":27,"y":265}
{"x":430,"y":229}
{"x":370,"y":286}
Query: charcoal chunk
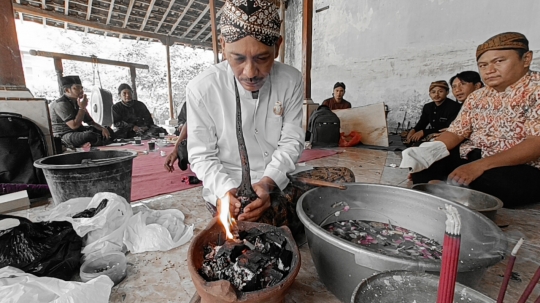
{"x":230,"y":250}
{"x":270,"y":277}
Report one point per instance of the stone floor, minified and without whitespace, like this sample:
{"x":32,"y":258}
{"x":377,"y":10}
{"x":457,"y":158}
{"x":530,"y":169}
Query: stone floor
{"x":163,"y":276}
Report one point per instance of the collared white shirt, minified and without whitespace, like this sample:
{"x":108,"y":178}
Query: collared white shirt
{"x":274,"y":142}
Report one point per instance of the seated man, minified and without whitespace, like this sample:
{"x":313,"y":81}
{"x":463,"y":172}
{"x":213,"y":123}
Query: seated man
{"x":337,"y":101}
{"x":180,"y":149}
{"x":68,"y":114}
{"x":464,"y":83}
{"x":131,"y":117}
{"x":270,"y":94}
{"x":494,"y":144}
{"x":437,"y":114}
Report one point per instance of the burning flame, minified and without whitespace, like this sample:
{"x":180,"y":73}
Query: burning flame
{"x":225,"y":216}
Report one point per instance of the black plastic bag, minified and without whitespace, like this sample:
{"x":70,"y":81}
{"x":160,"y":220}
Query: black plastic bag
{"x":51,"y":249}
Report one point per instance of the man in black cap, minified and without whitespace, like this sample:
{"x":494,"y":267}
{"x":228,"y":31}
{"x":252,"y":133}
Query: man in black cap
{"x":68,"y":114}
{"x":131,"y":117}
{"x":337,"y":101}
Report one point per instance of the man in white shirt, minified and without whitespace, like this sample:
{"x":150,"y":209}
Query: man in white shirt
{"x":271,"y":97}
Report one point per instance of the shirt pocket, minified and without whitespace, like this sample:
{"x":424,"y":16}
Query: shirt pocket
{"x":273,"y":129}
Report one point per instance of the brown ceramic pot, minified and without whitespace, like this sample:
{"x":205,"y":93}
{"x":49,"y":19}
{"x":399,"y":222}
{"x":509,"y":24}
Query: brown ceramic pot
{"x":222,"y":290}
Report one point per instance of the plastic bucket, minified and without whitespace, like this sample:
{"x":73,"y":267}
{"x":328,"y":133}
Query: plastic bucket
{"x":86,"y":173}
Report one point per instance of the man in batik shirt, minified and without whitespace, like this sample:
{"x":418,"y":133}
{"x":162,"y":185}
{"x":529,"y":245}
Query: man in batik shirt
{"x":494,"y":142}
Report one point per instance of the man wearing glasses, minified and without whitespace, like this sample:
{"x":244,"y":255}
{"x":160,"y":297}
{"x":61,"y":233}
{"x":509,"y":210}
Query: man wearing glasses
{"x":68,"y":114}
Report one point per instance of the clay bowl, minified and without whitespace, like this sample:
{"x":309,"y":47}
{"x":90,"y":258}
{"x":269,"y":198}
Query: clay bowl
{"x":222,"y":290}
{"x":475,"y":200}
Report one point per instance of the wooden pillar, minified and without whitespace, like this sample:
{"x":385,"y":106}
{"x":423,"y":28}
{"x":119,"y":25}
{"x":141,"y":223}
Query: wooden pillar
{"x":11,"y":68}
{"x":307,"y":29}
{"x":133,"y":74}
{"x":169,"y":83}
{"x":282,"y":32}
{"x":59,"y":73}
{"x":214,"y":31}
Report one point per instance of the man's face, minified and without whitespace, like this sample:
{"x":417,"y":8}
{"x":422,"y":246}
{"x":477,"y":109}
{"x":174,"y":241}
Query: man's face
{"x":461,"y":89}
{"x":339,"y":92}
{"x":76,"y":91}
{"x":250,"y":60}
{"x":502,"y":68}
{"x":438,"y":94}
{"x":126,"y":95}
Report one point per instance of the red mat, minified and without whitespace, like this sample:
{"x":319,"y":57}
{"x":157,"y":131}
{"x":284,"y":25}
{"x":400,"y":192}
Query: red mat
{"x":149,"y":178}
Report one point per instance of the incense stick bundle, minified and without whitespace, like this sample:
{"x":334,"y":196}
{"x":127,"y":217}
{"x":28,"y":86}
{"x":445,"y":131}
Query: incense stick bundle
{"x":527,"y":292}
{"x":508,"y":271}
{"x":450,"y":257}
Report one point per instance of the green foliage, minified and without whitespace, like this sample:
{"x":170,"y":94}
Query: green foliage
{"x":152,"y":88}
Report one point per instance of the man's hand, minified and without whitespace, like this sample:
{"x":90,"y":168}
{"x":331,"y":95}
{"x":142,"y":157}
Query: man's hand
{"x":83,"y":102}
{"x":256,"y":209}
{"x":467,"y":173}
{"x":417,"y":136}
{"x":170,"y":160}
{"x":234,"y":204}
{"x":136,"y":129}
{"x":105,"y":132}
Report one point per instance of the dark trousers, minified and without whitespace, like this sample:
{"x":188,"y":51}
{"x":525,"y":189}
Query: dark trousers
{"x":91,"y":135}
{"x":515,"y":185}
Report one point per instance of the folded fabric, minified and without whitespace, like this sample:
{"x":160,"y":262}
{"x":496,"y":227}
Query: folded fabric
{"x":419,"y":158}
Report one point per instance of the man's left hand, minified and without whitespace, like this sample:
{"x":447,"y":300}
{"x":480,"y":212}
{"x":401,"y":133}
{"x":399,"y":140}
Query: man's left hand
{"x":256,"y":209}
{"x":105,"y":133}
{"x":467,"y":173}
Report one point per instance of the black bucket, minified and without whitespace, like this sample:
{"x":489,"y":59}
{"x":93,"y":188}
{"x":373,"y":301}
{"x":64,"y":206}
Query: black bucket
{"x":86,"y":173}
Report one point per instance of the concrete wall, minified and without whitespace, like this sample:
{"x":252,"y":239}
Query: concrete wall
{"x":390,"y":51}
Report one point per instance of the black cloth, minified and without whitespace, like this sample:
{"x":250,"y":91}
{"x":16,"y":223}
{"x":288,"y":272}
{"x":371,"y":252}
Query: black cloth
{"x":438,"y":117}
{"x":182,"y":116}
{"x":87,"y":134}
{"x":135,"y":113}
{"x":514,"y":185}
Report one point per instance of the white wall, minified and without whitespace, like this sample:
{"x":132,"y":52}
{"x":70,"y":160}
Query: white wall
{"x":391,"y":50}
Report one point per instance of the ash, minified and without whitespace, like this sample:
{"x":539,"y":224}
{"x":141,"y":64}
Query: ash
{"x":387,"y":239}
{"x":257,"y":261}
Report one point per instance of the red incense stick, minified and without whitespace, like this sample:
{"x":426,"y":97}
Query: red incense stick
{"x":527,"y":292}
{"x":450,"y":257}
{"x":508,"y":271}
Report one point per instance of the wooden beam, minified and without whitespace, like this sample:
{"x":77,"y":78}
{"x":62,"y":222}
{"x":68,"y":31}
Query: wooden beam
{"x":207,"y":24}
{"x":133,"y":76}
{"x":282,"y":33}
{"x":107,"y":28}
{"x":43,"y":4}
{"x":148,"y":12}
{"x":11,"y":68}
{"x":89,"y":9}
{"x":181,"y":16}
{"x":171,"y":3}
{"x":130,"y":7}
{"x":58,"y":67}
{"x":307,"y":37}
{"x":196,"y":21}
{"x":110,"y":12}
{"x":86,"y":59}
{"x":66,"y":12}
{"x":169,"y":83}
{"x":214,"y":32}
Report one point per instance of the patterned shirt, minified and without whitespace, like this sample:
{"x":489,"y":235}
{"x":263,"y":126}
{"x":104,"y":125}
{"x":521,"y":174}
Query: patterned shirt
{"x":496,"y":121}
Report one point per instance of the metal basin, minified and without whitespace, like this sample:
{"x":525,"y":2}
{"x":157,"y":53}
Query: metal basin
{"x":406,"y":286}
{"x":473,"y":199}
{"x":341,"y":265}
